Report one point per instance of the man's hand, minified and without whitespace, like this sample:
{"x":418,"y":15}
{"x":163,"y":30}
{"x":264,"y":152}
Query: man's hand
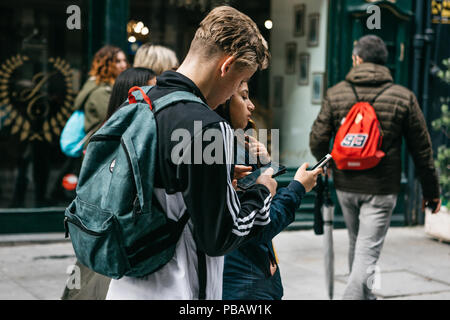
{"x":241,"y":171}
{"x":266,"y":179}
{"x":307,"y":178}
{"x":436,"y":201}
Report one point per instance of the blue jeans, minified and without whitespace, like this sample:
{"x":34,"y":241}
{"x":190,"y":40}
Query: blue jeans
{"x":243,"y":280}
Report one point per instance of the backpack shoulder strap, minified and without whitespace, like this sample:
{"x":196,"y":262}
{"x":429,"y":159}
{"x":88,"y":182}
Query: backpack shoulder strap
{"x":380,"y":93}
{"x":141,"y":93}
{"x":376,"y":96}
{"x":177,"y":96}
{"x":354,"y":91}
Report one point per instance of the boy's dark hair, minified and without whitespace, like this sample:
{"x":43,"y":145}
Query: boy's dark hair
{"x":124,"y":82}
{"x":372,"y":49}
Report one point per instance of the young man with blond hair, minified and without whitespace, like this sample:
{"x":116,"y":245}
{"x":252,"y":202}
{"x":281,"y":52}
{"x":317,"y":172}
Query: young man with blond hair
{"x":227,"y":49}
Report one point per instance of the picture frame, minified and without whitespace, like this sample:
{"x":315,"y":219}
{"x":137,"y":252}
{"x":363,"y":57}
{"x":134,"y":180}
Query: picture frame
{"x":277,"y":101}
{"x":303,"y":69}
{"x":299,"y":20}
{"x":291,"y":57}
{"x":318,"y":87}
{"x":313,"y":29}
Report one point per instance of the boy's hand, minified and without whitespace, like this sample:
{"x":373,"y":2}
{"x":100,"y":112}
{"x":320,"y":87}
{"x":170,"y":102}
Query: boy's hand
{"x":234,"y":184}
{"x":266,"y":179}
{"x":241,"y":171}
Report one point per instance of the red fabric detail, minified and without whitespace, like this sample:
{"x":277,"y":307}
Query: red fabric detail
{"x":132,"y":99}
{"x":357,"y":143}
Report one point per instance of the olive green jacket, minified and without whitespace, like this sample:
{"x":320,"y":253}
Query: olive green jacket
{"x":400,"y":117}
{"x":96,"y":104}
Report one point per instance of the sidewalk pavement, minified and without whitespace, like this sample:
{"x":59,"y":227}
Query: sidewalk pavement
{"x":412,"y":265}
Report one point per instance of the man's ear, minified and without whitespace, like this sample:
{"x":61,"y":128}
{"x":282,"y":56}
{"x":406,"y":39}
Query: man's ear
{"x":359,"y":60}
{"x":225,"y":67}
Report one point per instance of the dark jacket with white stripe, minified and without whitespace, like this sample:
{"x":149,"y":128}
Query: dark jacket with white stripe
{"x":220,"y":220}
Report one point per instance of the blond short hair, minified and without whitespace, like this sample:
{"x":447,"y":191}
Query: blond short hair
{"x":157,"y":58}
{"x":228,"y":30}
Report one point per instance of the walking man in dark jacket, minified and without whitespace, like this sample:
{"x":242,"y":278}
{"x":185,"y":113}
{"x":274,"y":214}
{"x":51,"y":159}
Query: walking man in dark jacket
{"x":368,"y":197}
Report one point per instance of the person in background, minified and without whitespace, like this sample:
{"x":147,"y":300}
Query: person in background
{"x":251,"y":272}
{"x":107,"y":64}
{"x":368,"y":197}
{"x":94,"y":286}
{"x":93,"y":98}
{"x":126,"y":80}
{"x":155,"y":57}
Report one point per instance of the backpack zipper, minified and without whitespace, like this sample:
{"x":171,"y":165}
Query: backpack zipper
{"x":137,"y":210}
{"x":105,"y":137}
{"x":81,"y":226}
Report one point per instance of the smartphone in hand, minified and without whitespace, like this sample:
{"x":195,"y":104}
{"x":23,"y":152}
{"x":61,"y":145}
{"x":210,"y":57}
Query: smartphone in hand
{"x":322,"y":162}
{"x":249,"y":180}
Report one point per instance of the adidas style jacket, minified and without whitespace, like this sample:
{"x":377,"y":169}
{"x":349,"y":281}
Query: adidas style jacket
{"x":220,"y":220}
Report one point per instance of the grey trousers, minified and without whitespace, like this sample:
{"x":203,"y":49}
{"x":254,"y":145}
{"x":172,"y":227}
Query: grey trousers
{"x":367,"y":218}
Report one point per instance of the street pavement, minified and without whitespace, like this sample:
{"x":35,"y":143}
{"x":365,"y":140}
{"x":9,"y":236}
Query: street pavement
{"x":412,"y":265}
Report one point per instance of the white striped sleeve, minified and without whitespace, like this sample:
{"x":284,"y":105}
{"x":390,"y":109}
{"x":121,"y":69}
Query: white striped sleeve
{"x":242,"y":222}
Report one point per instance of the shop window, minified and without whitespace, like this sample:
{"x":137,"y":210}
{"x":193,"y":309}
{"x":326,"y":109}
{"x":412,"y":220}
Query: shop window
{"x":42,"y":64}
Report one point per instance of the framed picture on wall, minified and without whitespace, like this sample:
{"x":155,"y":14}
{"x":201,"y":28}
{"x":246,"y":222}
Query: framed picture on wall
{"x":277,"y":92}
{"x":318,"y":87}
{"x":299,"y":20}
{"x":303,"y":71}
{"x":313,"y":29}
{"x":291,"y":56}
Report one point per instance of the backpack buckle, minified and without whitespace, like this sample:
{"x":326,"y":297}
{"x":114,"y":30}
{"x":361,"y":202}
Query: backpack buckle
{"x":137,"y":210}
{"x":66,"y":227}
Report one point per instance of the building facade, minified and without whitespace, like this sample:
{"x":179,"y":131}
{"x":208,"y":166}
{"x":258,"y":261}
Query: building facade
{"x":47,"y":46}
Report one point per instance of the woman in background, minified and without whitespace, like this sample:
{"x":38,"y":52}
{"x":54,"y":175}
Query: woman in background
{"x":94,"y":286}
{"x":126,"y":80}
{"x":155,"y":57}
{"x":107,"y":64}
{"x":93,"y":98}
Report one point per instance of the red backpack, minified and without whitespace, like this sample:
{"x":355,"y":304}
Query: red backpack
{"x":357,"y":145}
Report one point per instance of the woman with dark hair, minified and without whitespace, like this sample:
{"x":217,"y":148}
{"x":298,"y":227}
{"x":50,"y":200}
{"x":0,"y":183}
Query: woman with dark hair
{"x":127,"y":79}
{"x":251,"y":272}
{"x":94,"y":285}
